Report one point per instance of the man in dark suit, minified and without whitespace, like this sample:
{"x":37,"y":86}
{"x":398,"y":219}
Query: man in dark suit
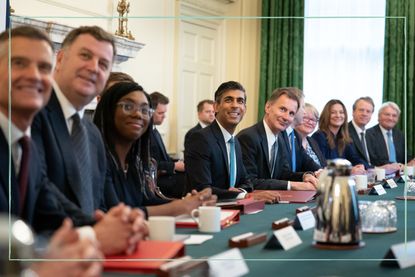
{"x":71,"y":147}
{"x":264,"y":156}
{"x":30,"y":196}
{"x":215,"y":155}
{"x":298,"y":160}
{"x":206,"y":115}
{"x":386,"y":143}
{"x":171,"y":178}
{"x":362,"y":113}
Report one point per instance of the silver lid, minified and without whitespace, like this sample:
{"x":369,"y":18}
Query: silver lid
{"x":339,"y":167}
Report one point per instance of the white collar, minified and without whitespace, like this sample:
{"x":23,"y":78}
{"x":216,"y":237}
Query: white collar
{"x":15,"y":133}
{"x":384,"y":131}
{"x":357,"y":128}
{"x":271,"y":137}
{"x":67,"y":108}
{"x":226,"y":135}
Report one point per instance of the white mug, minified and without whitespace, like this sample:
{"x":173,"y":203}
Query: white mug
{"x":361,"y":182}
{"x":208,"y":218}
{"x":410,"y":170}
{"x":380,"y":173}
{"x":161,"y":227}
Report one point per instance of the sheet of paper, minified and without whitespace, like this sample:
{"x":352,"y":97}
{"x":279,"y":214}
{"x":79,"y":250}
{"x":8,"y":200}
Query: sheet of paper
{"x":197,"y":239}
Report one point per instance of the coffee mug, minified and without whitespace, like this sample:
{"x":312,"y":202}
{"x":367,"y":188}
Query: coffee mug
{"x":380,"y":174}
{"x":361,"y":182}
{"x":208,"y":218}
{"x":410,"y":171}
{"x":161,"y":227}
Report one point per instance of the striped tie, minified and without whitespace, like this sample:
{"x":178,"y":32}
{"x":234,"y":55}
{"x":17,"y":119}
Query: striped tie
{"x":80,"y":145}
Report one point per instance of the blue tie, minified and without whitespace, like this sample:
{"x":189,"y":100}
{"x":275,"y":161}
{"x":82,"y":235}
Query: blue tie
{"x":392,"y":153}
{"x":232,"y":162}
{"x":293,"y":160}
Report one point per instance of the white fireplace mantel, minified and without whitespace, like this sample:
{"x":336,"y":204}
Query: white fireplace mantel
{"x":126,"y":48}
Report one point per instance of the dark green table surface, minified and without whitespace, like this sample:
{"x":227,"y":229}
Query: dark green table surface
{"x":306,"y":260}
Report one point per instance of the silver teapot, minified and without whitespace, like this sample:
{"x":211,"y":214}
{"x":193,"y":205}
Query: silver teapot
{"x":337,"y":214}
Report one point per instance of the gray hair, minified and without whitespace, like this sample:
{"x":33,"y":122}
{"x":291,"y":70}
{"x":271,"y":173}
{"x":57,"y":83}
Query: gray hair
{"x":390,"y":104}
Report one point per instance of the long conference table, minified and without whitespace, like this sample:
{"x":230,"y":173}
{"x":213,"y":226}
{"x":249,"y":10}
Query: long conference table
{"x":304,"y":259}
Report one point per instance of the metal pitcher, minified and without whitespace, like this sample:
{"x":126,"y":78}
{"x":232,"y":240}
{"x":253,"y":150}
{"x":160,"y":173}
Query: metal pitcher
{"x":16,"y":237}
{"x":337,"y":213}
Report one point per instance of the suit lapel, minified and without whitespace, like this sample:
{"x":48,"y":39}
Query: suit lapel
{"x":356,"y":139}
{"x":221,"y":143}
{"x":286,"y":143}
{"x":264,"y":144}
{"x":161,"y":144}
{"x":8,"y":177}
{"x":58,"y":124}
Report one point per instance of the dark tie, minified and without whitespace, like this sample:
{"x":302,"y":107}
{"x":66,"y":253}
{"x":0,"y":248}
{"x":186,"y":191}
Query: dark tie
{"x":232,"y":162}
{"x":293,"y":159}
{"x":392,"y":153}
{"x":363,"y":140}
{"x":81,"y":150}
{"x":24,"y":170}
{"x":273,"y":157}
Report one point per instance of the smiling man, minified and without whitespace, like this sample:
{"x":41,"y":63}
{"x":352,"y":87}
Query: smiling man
{"x":71,"y":146}
{"x":362,"y":113}
{"x":386,"y":143}
{"x":215,"y":155}
{"x":264,"y":155}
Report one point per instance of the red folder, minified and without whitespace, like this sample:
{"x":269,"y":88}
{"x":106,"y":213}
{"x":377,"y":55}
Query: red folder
{"x":296,"y":196}
{"x":246,"y":206}
{"x":150,"y":255}
{"x":229,"y":217}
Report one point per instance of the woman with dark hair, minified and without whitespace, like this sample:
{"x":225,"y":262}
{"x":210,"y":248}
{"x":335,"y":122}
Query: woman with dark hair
{"x":333,"y":136}
{"x":124,"y":118}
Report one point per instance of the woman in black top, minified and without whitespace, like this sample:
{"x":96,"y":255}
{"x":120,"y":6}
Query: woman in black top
{"x":124,"y":118}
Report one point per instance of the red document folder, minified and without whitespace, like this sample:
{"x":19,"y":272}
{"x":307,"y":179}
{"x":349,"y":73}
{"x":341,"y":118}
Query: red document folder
{"x":296,"y":196}
{"x":228,"y":218}
{"x":150,"y":255}
{"x":246,"y":206}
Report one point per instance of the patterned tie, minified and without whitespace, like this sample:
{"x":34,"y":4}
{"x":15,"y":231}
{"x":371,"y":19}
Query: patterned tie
{"x":80,"y":145}
{"x":232,"y":162}
{"x":273,"y":157}
{"x":293,"y":159}
{"x":392,"y":153}
{"x":24,"y":170}
{"x":363,"y":140}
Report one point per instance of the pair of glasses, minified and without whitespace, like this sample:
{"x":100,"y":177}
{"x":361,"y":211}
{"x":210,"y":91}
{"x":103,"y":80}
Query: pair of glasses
{"x":310,"y":120}
{"x":132,"y":108}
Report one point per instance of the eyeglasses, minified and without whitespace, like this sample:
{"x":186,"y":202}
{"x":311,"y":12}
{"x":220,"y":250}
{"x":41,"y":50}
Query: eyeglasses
{"x":310,"y":120}
{"x":132,"y":108}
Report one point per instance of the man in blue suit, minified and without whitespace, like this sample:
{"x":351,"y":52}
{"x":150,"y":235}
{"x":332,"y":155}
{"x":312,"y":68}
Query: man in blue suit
{"x":30,"y":196}
{"x":214,"y":154}
{"x":71,"y":147}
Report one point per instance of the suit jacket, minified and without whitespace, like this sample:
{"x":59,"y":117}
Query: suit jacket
{"x":191,"y":131}
{"x":357,"y":143}
{"x":317,"y":151}
{"x":50,"y":132}
{"x":378,"y":150}
{"x":42,"y":210}
{"x":255,"y":155}
{"x":165,"y":164}
{"x":303,"y":161}
{"x":207,"y":163}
